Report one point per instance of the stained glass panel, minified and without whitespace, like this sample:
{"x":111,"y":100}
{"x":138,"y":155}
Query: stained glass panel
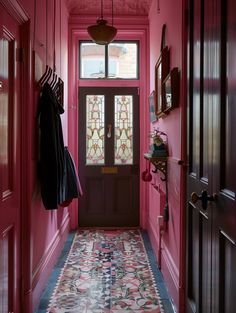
{"x":123,"y":130}
{"x":95,"y":130}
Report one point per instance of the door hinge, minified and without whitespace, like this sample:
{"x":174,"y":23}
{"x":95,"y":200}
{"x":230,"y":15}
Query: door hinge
{"x":20,"y":55}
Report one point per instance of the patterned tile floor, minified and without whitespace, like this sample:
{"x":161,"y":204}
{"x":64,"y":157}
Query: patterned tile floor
{"x":44,"y":302}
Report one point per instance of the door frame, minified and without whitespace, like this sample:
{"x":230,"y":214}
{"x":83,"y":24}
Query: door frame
{"x":18,"y":13}
{"x":27,"y":112}
{"x":139,"y":32}
{"x":184,"y":155}
{"x":188,"y":18}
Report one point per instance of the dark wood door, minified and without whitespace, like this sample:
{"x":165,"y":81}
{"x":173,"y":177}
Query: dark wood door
{"x":10,"y":161}
{"x":109,"y":156}
{"x":211,"y":222}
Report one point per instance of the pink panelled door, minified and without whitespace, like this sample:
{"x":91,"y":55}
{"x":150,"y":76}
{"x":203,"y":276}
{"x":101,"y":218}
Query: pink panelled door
{"x":10,"y":156}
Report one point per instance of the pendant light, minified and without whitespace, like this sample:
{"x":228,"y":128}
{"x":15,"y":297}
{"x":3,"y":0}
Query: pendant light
{"x":101,"y":33}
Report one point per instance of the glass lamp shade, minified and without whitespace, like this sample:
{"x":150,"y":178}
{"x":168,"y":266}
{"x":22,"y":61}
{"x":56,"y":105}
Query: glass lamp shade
{"x":101,"y":33}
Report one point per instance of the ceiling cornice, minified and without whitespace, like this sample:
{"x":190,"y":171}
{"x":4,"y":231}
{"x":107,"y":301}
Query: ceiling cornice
{"x":121,"y":7}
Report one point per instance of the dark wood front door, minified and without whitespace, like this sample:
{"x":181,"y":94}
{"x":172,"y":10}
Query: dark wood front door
{"x":109,"y":156}
{"x":211,"y":221}
{"x":10,"y":164}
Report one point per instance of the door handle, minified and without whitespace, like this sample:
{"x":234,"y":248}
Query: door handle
{"x":109,"y":130}
{"x":204,"y":197}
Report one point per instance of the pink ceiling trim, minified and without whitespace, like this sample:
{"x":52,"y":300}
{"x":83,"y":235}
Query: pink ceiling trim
{"x":121,"y":7}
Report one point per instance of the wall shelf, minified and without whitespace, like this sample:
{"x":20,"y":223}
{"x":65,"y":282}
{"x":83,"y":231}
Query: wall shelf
{"x":160,"y":164}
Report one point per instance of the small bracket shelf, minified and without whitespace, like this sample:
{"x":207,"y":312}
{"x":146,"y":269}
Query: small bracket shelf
{"x":160,"y":164}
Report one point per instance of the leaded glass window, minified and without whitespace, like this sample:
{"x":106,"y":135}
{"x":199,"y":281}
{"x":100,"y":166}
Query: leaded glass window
{"x":123,"y":129}
{"x":95,"y":152}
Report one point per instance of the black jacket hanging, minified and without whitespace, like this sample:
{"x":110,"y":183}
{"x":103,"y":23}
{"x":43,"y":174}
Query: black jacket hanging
{"x":51,"y":166}
{"x":71,"y":187}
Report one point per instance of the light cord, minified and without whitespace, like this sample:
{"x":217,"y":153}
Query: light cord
{"x":112,"y":15}
{"x":102,"y":9}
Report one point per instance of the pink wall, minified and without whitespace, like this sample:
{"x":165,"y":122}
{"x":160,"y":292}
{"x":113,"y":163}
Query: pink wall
{"x":48,"y":229}
{"x":170,"y":14}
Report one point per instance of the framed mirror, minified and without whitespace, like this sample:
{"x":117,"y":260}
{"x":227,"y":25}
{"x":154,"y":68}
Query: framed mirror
{"x":171,"y":90}
{"x":162,"y":69}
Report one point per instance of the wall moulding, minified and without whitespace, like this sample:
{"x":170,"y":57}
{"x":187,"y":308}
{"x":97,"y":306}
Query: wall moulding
{"x":15,"y":9}
{"x":119,"y":22}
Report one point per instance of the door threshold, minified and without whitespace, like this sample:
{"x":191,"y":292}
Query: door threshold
{"x":109,"y":227}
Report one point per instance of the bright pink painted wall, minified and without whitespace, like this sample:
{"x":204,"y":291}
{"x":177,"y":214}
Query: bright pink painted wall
{"x":171,"y":15}
{"x":48,"y":228}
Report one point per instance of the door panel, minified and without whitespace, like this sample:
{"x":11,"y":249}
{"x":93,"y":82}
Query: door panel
{"x":122,"y":204}
{"x":211,"y":249}
{"x":199,"y":260}
{"x":109,"y":156}
{"x":199,"y":178}
{"x":10,"y":152}
{"x":95,"y":188}
{"x":225,"y":263}
{"x":224,"y":219}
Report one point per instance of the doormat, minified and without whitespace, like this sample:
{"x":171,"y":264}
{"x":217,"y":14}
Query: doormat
{"x":106,"y":271}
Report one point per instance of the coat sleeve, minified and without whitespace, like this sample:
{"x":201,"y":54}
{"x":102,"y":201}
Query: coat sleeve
{"x":71,"y":184}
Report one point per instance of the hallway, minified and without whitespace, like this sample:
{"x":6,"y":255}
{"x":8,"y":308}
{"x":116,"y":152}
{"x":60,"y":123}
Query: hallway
{"x":133,"y":131}
{"x":106,"y":271}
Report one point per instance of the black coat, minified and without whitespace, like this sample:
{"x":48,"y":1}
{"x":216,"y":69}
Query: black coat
{"x":71,"y":187}
{"x":51,"y":166}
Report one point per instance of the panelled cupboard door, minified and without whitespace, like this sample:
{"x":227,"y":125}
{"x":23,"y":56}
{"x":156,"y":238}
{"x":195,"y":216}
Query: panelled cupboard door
{"x":224,"y":161}
{"x":10,"y":156}
{"x":200,"y":173}
{"x":211,"y":211}
{"x":109,"y":156}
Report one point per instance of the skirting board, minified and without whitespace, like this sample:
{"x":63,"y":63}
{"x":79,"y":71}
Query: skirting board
{"x":44,"y":267}
{"x":168,"y":269}
{"x":174,"y":273}
{"x":52,"y":247}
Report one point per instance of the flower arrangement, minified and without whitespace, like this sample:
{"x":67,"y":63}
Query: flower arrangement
{"x":159,"y":144}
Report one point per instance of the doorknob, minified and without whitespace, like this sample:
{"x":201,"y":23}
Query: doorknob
{"x":204,"y":197}
{"x":109,"y":130}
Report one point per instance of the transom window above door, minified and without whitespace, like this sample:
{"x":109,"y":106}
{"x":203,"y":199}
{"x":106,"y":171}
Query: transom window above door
{"x":118,"y":60}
